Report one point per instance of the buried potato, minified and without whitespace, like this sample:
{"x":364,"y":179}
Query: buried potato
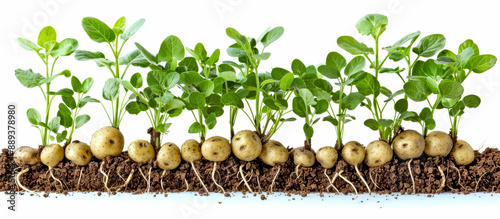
{"x":191,"y":151}
{"x":246,"y":145}
{"x":462,"y":153}
{"x":327,"y":156}
{"x":26,"y":155}
{"x":353,"y":153}
{"x":438,"y":143}
{"x":51,"y":155}
{"x":141,"y":151}
{"x":107,"y":141}
{"x":273,"y":152}
{"x":79,"y":153}
{"x":216,"y":149}
{"x":169,"y":156}
{"x":378,"y":153}
{"x":408,"y":145}
{"x":303,"y":157}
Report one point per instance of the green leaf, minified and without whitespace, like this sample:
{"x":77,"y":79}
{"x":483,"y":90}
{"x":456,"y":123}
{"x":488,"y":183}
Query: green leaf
{"x":373,"y":24}
{"x":412,"y":36}
{"x":86,"y":100}
{"x":97,"y":30}
{"x":472,"y":101}
{"x":298,"y":67}
{"x":33,"y":116}
{"x":135,"y":107}
{"x":76,"y":84}
{"x":165,"y":98}
{"x":321,"y":107}
{"x":214,"y":58}
{"x":197,"y":100}
{"x":401,"y":105}
{"x":299,"y":107}
{"x":47,"y":34}
{"x":28,"y":45}
{"x":119,"y":26}
{"x":464,"y":56}
{"x":132,"y":29}
{"x":308,"y":130}
{"x":449,"y":103}
{"x":173,"y":105}
{"x":171,"y":80}
{"x":81,"y":120}
{"x":385,"y":91}
{"x":368,"y":85}
{"x":430,"y":123}
{"x":286,"y":81}
{"x":262,"y":56}
{"x":332,"y":120}
{"x":433,"y":85}
{"x":235,"y":35}
{"x":157,"y":81}
{"x":66,"y":73}
{"x":352,"y":100}
{"x":111,"y":90}
{"x":272,"y":36}
{"x":232,"y":99}
{"x":54,"y":124}
{"x":190,"y":78}
{"x":430,"y":45}
{"x":228,"y":75}
{"x":450,"y":89}
{"x":69,"y":101}
{"x":163,"y":128}
{"x":329,"y":71}
{"x":83,"y":55}
{"x":457,"y":109}
{"x":61,"y":136}
{"x":417,"y":90}
{"x":336,"y":60}
{"x":322,"y":84}
{"x":28,"y":78}
{"x":468,"y":44}
{"x":66,"y":47}
{"x":307,"y":96}
{"x":136,"y":80}
{"x":211,"y":120}
{"x":206,"y":87}
{"x":372,"y":124}
{"x":63,"y":110}
{"x":63,"y":92}
{"x":481,"y":63}
{"x":352,"y":46}
{"x":134,"y":58}
{"x":385,"y":122}
{"x":356,"y":65}
{"x":195,"y":128}
{"x":171,"y":49}
{"x":148,"y":55}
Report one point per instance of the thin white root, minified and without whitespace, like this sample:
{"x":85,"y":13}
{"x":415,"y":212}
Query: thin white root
{"x":459,"y":177}
{"x":363,"y":179}
{"x":129,"y":178}
{"x":373,"y":181}
{"x":18,"y":181}
{"x":199,"y":178}
{"x":161,"y":180}
{"x":187,"y":185}
{"x":79,"y":179}
{"x":331,"y":183}
{"x":296,"y":171}
{"x":244,"y":179}
{"x":120,"y":175}
{"x":443,"y":180}
{"x":213,"y":178}
{"x":56,"y":179}
{"x":105,"y":177}
{"x":478,"y":181}
{"x":146,"y":179}
{"x":274,"y":179}
{"x":411,"y":175}
{"x":258,"y":184}
{"x":350,"y":183}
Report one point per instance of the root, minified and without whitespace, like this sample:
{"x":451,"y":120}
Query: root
{"x":459,"y":177}
{"x":350,"y":183}
{"x":258,"y":184}
{"x":443,"y":180}
{"x":331,"y":183}
{"x":118,"y":173}
{"x":56,"y":179}
{"x":296,"y":172}
{"x":161,"y":180}
{"x":18,"y":181}
{"x":148,"y":181}
{"x":129,"y":178}
{"x":199,"y":178}
{"x":363,"y":179}
{"x":274,"y":179}
{"x":213,"y":178}
{"x":105,"y":177}
{"x":79,"y":179}
{"x":411,"y":175}
{"x":187,"y":185}
{"x":478,"y":181}
{"x":370,"y":174}
{"x":244,"y":179}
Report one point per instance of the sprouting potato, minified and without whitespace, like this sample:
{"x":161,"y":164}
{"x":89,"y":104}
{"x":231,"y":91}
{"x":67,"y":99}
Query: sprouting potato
{"x":273,"y":152}
{"x":26,"y":155}
{"x":79,"y":153}
{"x":216,"y":149}
{"x":107,"y":141}
{"x":353,"y":153}
{"x":191,"y":151}
{"x":169,"y":156}
{"x":141,"y":151}
{"x":51,"y":155}
{"x":246,"y":145}
{"x":327,"y":156}
{"x":408,"y":145}
{"x":303,"y":157}
{"x":378,"y":153}
{"x":438,"y":143}
{"x":462,"y":153}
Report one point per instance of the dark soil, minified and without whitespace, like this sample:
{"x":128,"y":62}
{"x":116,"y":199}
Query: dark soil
{"x":483,"y":175}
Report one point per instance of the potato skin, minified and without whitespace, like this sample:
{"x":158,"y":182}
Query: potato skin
{"x":26,"y":155}
{"x":353,"y":153}
{"x":462,"y":153}
{"x":191,"y":151}
{"x":216,"y":149}
{"x":408,"y":144}
{"x":107,"y":141}
{"x":438,"y":143}
{"x":51,"y":155}
{"x":302,"y":156}
{"x":327,"y":156}
{"x":273,"y":152}
{"x":246,"y":145}
{"x":141,"y":151}
{"x":378,"y":153}
{"x":79,"y":153}
{"x":169,"y":156}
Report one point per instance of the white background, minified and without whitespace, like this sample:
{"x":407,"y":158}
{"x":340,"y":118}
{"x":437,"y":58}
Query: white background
{"x":311,"y":30}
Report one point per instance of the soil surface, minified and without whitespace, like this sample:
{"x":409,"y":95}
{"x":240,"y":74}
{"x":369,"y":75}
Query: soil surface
{"x":483,"y":175}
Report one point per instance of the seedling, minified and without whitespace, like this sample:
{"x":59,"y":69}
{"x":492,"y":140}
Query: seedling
{"x":100,"y":32}
{"x":49,"y":51}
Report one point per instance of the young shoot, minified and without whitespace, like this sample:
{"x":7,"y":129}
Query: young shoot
{"x":115,"y":38}
{"x":49,"y":51}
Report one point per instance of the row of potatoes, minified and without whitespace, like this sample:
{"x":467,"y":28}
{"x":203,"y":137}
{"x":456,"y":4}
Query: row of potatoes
{"x":247,"y":146}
